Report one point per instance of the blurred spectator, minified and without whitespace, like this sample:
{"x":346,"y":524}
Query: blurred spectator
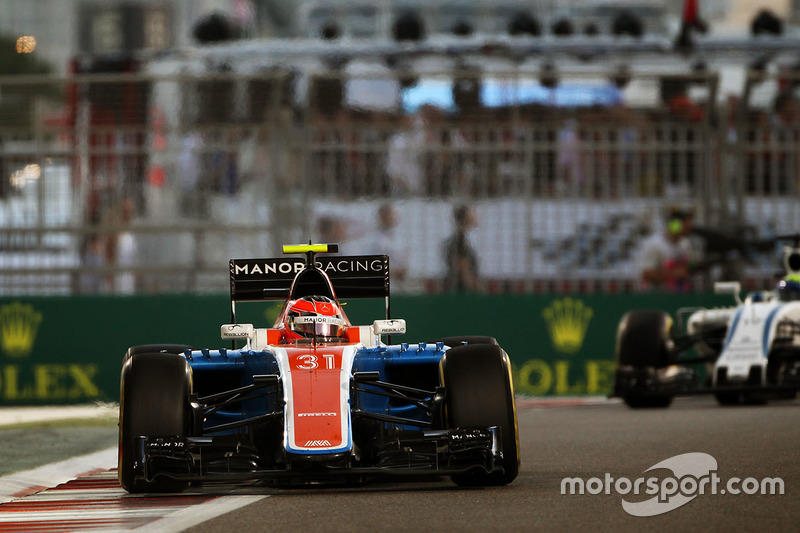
{"x":571,"y":164}
{"x":458,"y":163}
{"x":218,"y":164}
{"x":682,"y":108}
{"x":667,"y":257}
{"x":359,"y":170}
{"x":189,"y":171}
{"x":384,"y":239}
{"x":774,"y":167}
{"x":92,"y":261}
{"x":121,"y":248}
{"x":332,"y":230}
{"x":405,"y":154}
{"x":460,"y":258}
{"x":681,"y":134}
{"x":729,"y":156}
{"x":229,"y":163}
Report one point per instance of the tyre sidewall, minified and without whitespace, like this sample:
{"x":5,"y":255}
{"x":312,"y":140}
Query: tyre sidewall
{"x":154,"y":402}
{"x":480,"y":393}
{"x":643,"y":337}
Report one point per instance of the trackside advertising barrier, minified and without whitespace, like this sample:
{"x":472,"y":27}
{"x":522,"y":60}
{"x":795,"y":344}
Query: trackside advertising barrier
{"x":61,"y":350}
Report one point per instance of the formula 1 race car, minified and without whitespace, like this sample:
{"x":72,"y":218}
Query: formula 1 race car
{"x":315,"y":399}
{"x":747,"y":353}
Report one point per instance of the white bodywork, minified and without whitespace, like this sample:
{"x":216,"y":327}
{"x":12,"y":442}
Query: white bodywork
{"x":749,"y":339}
{"x":705,"y":319}
{"x":747,"y":343}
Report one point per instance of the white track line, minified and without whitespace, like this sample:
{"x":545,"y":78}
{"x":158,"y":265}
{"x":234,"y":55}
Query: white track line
{"x":173,"y":518}
{"x":28,"y":481}
{"x":197,"y":514}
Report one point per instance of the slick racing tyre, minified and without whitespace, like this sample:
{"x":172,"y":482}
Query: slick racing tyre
{"x":469,"y":339}
{"x":728,"y":398}
{"x":480,"y":394}
{"x":643,"y":339}
{"x":154,"y":402}
{"x":156,"y":348}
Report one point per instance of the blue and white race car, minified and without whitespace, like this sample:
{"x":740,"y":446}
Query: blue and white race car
{"x":314,"y":398}
{"x":745,"y":353}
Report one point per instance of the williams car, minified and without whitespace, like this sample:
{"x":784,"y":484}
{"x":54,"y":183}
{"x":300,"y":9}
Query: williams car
{"x":745,"y":353}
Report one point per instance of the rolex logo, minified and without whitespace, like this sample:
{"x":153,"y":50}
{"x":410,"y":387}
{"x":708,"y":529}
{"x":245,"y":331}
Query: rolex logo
{"x":567,"y":322}
{"x":19,"y":324}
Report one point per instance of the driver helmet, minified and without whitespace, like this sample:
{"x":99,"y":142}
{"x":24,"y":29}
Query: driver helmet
{"x":313,"y":317}
{"x":789,"y":289}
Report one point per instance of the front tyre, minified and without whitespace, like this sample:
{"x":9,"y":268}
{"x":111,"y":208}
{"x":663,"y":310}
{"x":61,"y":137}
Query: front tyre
{"x":643,"y":348}
{"x":480,"y":394}
{"x":154,"y":402}
{"x":728,"y":398}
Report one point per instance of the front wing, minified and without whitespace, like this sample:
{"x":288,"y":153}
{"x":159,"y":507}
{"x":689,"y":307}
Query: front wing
{"x":414,"y":453}
{"x":676,"y":380}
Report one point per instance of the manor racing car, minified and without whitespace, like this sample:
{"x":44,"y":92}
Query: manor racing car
{"x":315,"y":399}
{"x":745,"y":353}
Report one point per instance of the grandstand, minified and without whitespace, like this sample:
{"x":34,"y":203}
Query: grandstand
{"x":232,"y":149}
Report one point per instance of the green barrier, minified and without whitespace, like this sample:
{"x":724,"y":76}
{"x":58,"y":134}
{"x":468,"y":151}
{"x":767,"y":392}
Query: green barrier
{"x":69,"y":349}
{"x":559,"y":344}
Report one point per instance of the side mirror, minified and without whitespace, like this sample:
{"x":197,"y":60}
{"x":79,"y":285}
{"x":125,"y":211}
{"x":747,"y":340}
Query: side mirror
{"x":729,"y":287}
{"x":389,"y":327}
{"x":238,"y":331}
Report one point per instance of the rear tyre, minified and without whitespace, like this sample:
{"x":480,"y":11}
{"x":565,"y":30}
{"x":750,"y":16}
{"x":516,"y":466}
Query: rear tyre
{"x":154,"y":402}
{"x":783,"y":371}
{"x":643,"y":339}
{"x":480,"y":394}
{"x":639,"y":401}
{"x":156,"y":348}
{"x":728,"y":398}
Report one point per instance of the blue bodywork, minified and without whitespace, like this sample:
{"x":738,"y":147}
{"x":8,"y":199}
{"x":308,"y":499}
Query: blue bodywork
{"x":414,"y":365}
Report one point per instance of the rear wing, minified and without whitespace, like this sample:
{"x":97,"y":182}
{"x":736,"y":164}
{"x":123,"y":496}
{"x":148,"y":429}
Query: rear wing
{"x":358,"y":276}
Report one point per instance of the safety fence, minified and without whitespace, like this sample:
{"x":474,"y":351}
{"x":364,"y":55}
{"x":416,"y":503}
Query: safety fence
{"x":149,"y":183}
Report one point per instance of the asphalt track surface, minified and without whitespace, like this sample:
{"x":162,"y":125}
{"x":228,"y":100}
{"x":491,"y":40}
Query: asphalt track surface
{"x":590,"y":442}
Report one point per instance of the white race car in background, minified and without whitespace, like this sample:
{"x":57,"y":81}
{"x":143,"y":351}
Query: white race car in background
{"x":746,"y":353}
